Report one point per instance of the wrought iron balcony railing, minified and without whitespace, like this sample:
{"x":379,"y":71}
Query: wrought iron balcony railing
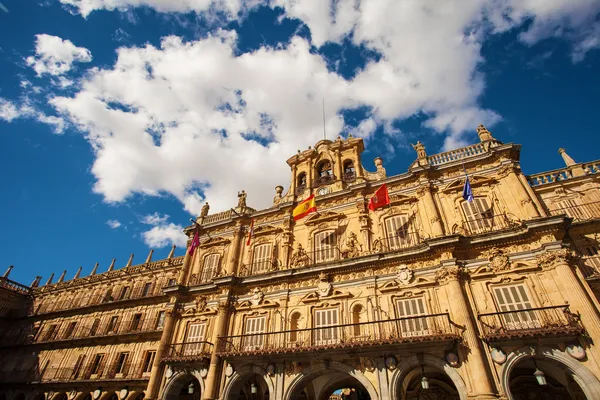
{"x":125,"y":371}
{"x":591,"y":266}
{"x":580,"y":212}
{"x":87,"y":301}
{"x":258,"y":267}
{"x":425,"y":328}
{"x":477,"y":226}
{"x":189,"y":351}
{"x":530,"y":322}
{"x":401,"y":241}
{"x":349,"y":176}
{"x":324,"y":180}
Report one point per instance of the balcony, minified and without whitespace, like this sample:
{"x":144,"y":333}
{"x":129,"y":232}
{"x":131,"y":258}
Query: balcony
{"x":258,"y":267}
{"x":478,"y":226}
{"x":188,"y":352}
{"x":458,"y":154}
{"x":591,"y":266}
{"x":88,"y":301}
{"x":102,"y":372}
{"x":403,"y":240}
{"x":323,"y":180}
{"x":530,"y":322}
{"x":580,"y":212}
{"x":349,"y":176}
{"x":426,"y":328}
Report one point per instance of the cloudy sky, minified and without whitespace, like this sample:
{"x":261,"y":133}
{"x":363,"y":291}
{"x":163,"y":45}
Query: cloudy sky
{"x":118,"y":118}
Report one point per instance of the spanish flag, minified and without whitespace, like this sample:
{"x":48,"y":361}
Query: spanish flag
{"x":306,"y":207}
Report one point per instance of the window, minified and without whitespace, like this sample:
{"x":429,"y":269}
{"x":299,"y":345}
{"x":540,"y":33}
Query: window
{"x":171,"y":282}
{"x":70,"y":329}
{"x":96,"y":367}
{"x":255,"y":327}
{"x":78,"y":365}
{"x":122,"y":365}
{"x":160,"y":320}
{"x":108,"y":295}
{"x":148,"y":361}
{"x":479,"y":215}
{"x":302,"y":180}
{"x":94,"y":327}
{"x":210,"y":266}
{"x":50,"y":332}
{"x":325,"y":249}
{"x":326,"y":330}
{"x":348,"y":167}
{"x":124,"y":293}
{"x":512,"y":298}
{"x":146,"y":290}
{"x":112,"y":324}
{"x":398,"y":232}
{"x":324,"y":169}
{"x":195,"y":334}
{"x":407,"y":311}
{"x":136,"y":322}
{"x":261,"y":258}
{"x":294,"y":320}
{"x":356,"y":319}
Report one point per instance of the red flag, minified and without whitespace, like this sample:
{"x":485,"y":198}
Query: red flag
{"x":250,"y":232}
{"x":380,"y":198}
{"x":195,"y":243}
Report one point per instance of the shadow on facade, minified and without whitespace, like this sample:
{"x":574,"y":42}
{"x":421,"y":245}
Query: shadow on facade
{"x":558,"y":381}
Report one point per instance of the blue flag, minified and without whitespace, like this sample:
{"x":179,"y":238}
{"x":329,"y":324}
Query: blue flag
{"x":467,"y":192}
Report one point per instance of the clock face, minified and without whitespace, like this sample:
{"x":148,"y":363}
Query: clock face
{"x":322,"y":191}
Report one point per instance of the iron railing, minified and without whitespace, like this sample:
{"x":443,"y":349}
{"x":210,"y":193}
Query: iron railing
{"x":349,"y":176}
{"x":580,"y":212}
{"x":476,"y":226}
{"x":436,"y":327}
{"x":125,"y":371}
{"x":591,"y":266}
{"x":258,"y":267}
{"x":528,"y":322}
{"x":402,"y":241}
{"x":324,"y":180}
{"x":87,"y":301}
{"x":188,"y":351}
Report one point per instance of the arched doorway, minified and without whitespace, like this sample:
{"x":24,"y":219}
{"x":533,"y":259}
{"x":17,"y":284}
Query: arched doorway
{"x":184,"y":387}
{"x":532,"y":379}
{"x":427,"y":382}
{"x":250,"y":387}
{"x":337,"y":385}
{"x":60,"y":396}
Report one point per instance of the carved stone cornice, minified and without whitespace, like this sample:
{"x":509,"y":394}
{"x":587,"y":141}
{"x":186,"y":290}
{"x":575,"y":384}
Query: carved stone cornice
{"x":549,"y":260}
{"x":445,"y":275}
{"x":498,"y":260}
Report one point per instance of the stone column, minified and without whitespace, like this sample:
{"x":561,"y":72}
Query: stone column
{"x":157,"y":367}
{"x":475,"y":363}
{"x":431,"y":210}
{"x":520,"y":193}
{"x":216,"y":365}
{"x":338,"y":165}
{"x":234,"y":254}
{"x":294,"y":179}
{"x":185,"y":269}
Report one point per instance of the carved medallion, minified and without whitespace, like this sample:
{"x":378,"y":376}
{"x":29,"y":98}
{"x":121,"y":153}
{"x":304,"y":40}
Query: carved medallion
{"x":123,"y":393}
{"x":405,"y":275}
{"x":257,"y":296}
{"x":97,"y":393}
{"x":391,"y":363}
{"x":498,"y":260}
{"x":576,"y":351}
{"x":229,"y":370}
{"x":169,"y":372}
{"x":452,"y":359}
{"x":498,"y":356}
{"x":270,"y":369}
{"x":203,"y":373}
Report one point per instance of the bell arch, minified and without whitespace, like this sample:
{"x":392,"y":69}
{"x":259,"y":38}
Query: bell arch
{"x":409,"y":364}
{"x":587,"y":381}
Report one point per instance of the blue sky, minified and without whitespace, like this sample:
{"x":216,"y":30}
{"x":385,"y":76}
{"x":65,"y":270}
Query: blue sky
{"x":119,"y":118}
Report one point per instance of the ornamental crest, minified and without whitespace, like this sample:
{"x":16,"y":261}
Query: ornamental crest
{"x":498,"y":260}
{"x":405,"y":275}
{"x":257,"y":296}
{"x":324,"y":287}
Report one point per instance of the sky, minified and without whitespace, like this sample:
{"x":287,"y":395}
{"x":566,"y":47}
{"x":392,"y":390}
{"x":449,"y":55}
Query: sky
{"x":120,"y":118}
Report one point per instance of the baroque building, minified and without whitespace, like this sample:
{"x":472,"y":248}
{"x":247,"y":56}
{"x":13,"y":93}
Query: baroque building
{"x":429,"y":297}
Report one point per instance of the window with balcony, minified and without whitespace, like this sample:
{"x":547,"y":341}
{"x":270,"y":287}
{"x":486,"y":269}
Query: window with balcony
{"x":113,"y":324}
{"x":148,"y":361}
{"x":294,"y":321}
{"x":78,"y":365}
{"x":326,"y":329}
{"x":325,"y":246}
{"x":50,"y":332}
{"x":125,"y":292}
{"x":209,"y":267}
{"x":357,"y":311}
{"x":94,"y":327}
{"x":146,"y":290}
{"x":70,"y":329}
{"x":514,"y":298}
{"x":408,"y":310}
{"x":195,"y":334}
{"x":171,"y":282}
{"x":398,"y":232}
{"x":255,"y":327}
{"x":261,"y":259}
{"x":121,"y":365}
{"x":479,"y":216}
{"x":160,"y":320}
{"x":136,"y":322}
{"x":108,"y":295}
{"x":97,"y":364}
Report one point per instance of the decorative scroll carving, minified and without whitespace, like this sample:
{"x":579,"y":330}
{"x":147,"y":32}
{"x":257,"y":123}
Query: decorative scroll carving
{"x":550,"y":260}
{"x":498,"y":260}
{"x":447,"y":274}
{"x":352,"y":249}
{"x":300,"y":258}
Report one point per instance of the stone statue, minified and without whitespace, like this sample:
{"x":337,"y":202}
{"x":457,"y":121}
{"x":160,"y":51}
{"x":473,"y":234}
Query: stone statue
{"x":352,"y":246}
{"x":483,"y":133}
{"x":242,"y":200}
{"x":204,"y":211}
{"x":377,"y":246}
{"x":300,"y":258}
{"x":420,"y":149}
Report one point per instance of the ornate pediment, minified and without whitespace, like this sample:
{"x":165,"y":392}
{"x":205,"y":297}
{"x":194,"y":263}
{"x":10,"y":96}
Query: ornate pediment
{"x":474,"y":180}
{"x":266,"y":230}
{"x":214,"y":241}
{"x":324,"y":217}
{"x":398,"y":199}
{"x":250,"y":305}
{"x":319,"y":295}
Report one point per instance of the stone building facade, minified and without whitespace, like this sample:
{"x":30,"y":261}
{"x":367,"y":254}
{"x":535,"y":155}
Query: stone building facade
{"x":429,"y":297}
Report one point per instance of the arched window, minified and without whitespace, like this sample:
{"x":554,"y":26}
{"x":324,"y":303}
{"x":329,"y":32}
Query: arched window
{"x":325,"y":246}
{"x":479,"y":215}
{"x":349,"y":167}
{"x":398,"y":232}
{"x":209,"y":267}
{"x":301,"y":180}
{"x":356,"y":320}
{"x":324,"y":169}
{"x":294,"y":326}
{"x":261,"y":259}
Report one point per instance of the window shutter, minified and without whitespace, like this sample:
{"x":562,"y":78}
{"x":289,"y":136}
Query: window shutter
{"x":407,"y":309}
{"x":398,"y":233}
{"x":514,"y":298}
{"x":325,"y":246}
{"x":262,"y":258}
{"x":195,"y":334}
{"x":211,"y":263}
{"x":255,"y":328}
{"x":326,"y":330}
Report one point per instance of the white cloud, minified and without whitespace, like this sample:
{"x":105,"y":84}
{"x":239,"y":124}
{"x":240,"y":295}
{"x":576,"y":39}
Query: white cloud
{"x":154,"y":219}
{"x":55,"y":56}
{"x":113,"y":223}
{"x":165,"y":235}
{"x":8,"y":111}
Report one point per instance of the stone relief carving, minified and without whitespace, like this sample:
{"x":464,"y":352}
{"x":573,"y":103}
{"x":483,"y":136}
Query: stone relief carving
{"x":405,"y":275}
{"x":352,"y":246}
{"x":447,"y":274}
{"x":498,"y":260}
{"x":257,"y":296}
{"x":324,"y":288}
{"x":551,"y":259}
{"x":300,"y":257}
